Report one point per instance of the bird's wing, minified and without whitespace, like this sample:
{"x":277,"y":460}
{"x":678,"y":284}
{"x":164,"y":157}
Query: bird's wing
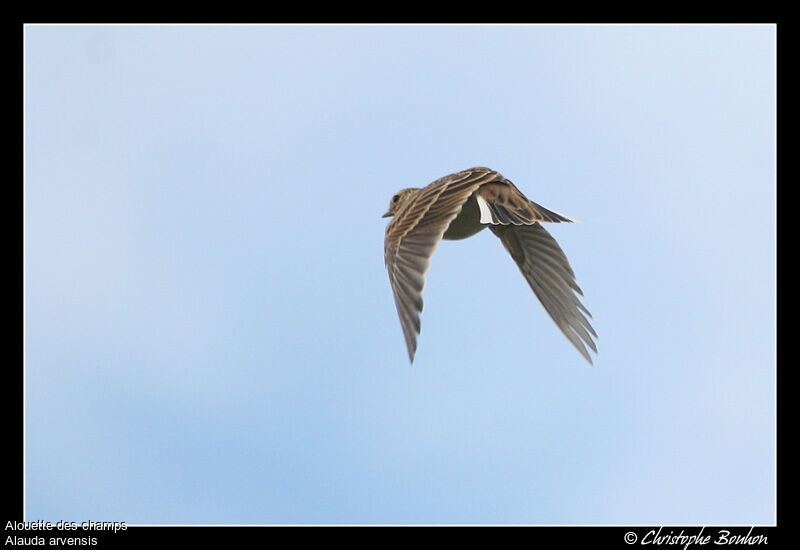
{"x":546,"y":268}
{"x":501,"y":203}
{"x":413,"y":235}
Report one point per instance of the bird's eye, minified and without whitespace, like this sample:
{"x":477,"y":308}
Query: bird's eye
{"x":395,"y":198}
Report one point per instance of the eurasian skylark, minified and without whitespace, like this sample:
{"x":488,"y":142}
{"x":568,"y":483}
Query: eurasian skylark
{"x":458,"y":206}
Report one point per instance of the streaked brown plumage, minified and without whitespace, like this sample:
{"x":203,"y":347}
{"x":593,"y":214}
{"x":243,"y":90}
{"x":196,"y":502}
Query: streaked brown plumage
{"x":458,"y":206}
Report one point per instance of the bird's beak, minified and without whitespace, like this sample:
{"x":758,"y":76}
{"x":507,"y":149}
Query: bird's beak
{"x":387,"y":215}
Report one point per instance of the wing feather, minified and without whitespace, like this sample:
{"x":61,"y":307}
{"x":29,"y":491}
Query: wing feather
{"x":502,"y":203}
{"x":547,"y":271}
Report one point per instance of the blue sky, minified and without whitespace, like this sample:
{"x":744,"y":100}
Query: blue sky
{"x":210,"y":335}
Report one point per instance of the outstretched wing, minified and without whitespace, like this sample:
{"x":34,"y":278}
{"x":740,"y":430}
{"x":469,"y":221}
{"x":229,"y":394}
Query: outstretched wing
{"x":546,"y":268}
{"x":413,"y":235}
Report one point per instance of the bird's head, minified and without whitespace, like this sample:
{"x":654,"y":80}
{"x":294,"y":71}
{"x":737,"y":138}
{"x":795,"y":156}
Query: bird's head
{"x":400,"y":200}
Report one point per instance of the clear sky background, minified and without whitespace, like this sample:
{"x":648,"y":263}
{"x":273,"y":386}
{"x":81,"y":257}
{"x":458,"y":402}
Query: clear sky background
{"x":210,"y":335}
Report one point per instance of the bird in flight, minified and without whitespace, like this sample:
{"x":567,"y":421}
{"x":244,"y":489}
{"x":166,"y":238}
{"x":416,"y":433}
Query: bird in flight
{"x":458,"y":206}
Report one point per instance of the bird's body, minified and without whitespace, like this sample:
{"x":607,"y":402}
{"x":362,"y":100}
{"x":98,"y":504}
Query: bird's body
{"x":467,"y":223}
{"x":460,"y":205}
